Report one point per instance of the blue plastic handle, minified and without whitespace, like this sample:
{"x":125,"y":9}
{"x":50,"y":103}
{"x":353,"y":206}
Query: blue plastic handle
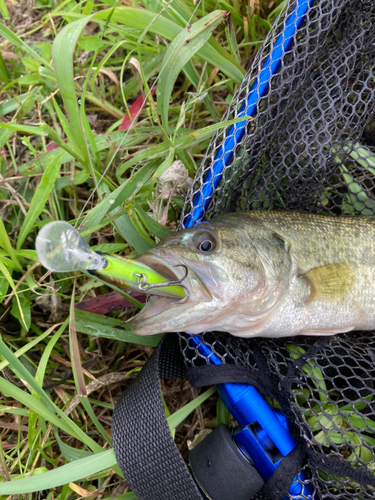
{"x":244,"y":401}
{"x":259,"y":90}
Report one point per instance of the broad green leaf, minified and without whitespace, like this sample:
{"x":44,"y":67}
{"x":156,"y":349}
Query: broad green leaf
{"x":111,"y":328}
{"x":79,"y":469}
{"x":27,"y":80}
{"x":79,"y":178}
{"x":184,"y":46}
{"x":39,"y":199}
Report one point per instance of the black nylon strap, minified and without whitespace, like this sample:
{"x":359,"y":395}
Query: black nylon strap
{"x":279,"y":484}
{"x":143,"y":444}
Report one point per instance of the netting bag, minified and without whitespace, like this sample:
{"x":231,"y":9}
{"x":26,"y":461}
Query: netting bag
{"x":310,"y":147}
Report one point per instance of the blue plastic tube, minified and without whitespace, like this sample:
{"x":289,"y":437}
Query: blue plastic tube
{"x":259,"y":90}
{"x":244,"y":401}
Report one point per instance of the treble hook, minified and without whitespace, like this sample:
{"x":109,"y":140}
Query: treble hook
{"x":145,"y":287}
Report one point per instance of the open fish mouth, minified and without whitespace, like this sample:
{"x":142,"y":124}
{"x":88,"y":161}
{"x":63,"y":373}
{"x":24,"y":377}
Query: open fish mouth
{"x":159,"y":313}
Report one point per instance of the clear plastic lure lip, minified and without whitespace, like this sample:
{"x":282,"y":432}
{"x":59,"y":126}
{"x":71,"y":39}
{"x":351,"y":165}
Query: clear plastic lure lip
{"x":60,"y":248}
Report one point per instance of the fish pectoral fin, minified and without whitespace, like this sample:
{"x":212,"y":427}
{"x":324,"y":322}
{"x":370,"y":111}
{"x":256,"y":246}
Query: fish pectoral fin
{"x":327,"y":331}
{"x":331,"y":282}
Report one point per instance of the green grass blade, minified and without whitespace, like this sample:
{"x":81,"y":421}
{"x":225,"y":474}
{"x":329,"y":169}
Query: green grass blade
{"x":153,"y":226}
{"x":39,"y":199}
{"x":126,"y":227}
{"x":33,"y":343}
{"x":35,"y":405}
{"x":182,"y":142}
{"x":103,"y":141}
{"x":9,"y":279}
{"x":151,"y":153}
{"x":140,"y":18}
{"x":184,"y":46}
{"x":66,"y":127}
{"x":180,"y":415}
{"x":12,"y":38}
{"x":12,"y":104}
{"x":26,"y":129}
{"x":39,"y":376}
{"x":79,"y":469}
{"x":111,"y":328}
{"x":4,"y":73}
{"x":41,"y":407}
{"x":119,"y":195}
{"x":5,"y":243}
{"x":79,"y":379}
{"x":62,"y":53}
{"x":231,"y":38}
{"x":237,"y":19}
{"x":5,"y":134}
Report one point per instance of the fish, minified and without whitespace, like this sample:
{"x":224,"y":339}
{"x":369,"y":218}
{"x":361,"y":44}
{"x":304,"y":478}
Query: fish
{"x":266,"y":274}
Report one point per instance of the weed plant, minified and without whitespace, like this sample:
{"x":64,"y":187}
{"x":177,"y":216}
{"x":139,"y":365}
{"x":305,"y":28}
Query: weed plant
{"x":98,"y":99}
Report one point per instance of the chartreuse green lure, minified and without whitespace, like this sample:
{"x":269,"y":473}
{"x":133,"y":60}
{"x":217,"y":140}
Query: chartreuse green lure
{"x":60,"y":248}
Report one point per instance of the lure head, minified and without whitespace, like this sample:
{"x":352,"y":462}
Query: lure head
{"x":236,"y":275}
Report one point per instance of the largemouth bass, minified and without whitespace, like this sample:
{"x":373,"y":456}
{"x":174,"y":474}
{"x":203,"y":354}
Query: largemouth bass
{"x":267,"y":274}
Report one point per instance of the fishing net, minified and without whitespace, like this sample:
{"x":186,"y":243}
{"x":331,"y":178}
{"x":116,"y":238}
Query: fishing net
{"x":311,"y":147}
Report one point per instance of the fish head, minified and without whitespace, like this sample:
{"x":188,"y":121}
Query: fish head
{"x":236,"y":273}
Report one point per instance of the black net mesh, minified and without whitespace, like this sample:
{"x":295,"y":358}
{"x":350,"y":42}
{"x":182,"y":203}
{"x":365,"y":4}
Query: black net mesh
{"x":311,"y":147}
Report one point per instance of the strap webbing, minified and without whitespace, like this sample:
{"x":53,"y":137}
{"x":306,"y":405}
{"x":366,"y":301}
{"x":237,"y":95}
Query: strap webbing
{"x":143,"y":444}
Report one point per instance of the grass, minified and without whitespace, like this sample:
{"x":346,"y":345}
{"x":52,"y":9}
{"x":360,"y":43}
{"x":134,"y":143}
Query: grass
{"x":97,"y":101}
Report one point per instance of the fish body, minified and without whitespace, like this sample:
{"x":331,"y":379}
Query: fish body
{"x":267,"y":274}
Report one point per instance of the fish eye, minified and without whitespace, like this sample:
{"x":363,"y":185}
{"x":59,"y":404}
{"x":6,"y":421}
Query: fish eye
{"x":206,"y":243}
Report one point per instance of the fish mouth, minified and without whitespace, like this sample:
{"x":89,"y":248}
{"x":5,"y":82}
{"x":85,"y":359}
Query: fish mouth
{"x":158,"y":315}
{"x":160,"y":266}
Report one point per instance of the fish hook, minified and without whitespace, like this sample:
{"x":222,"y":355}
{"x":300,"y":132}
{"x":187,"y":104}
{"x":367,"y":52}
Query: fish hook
{"x":145,"y":287}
